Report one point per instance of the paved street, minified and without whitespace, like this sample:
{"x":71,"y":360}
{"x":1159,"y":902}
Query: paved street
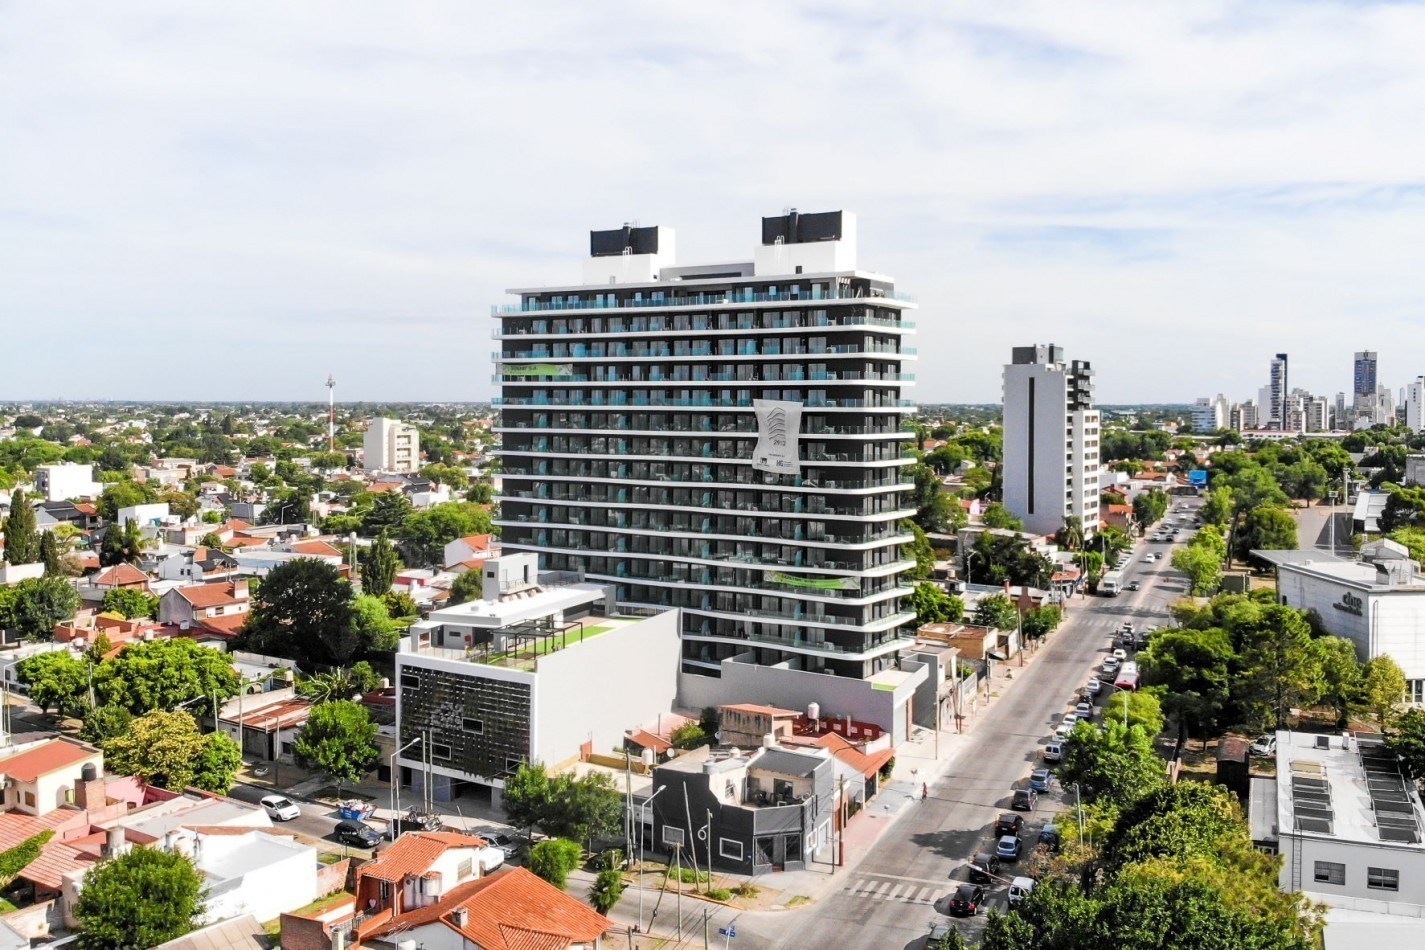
{"x":1313,"y":530}
{"x":892,"y":896}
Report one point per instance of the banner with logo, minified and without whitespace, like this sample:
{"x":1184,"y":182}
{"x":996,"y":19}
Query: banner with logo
{"x":779,"y":425}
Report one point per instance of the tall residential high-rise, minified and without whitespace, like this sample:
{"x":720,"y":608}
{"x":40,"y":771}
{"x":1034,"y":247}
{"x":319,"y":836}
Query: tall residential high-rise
{"x":1364,"y":376}
{"x":1277,"y":409}
{"x":1051,"y":440}
{"x":1415,"y":405}
{"x":391,"y":446}
{"x":1245,"y":416}
{"x":724,"y":438}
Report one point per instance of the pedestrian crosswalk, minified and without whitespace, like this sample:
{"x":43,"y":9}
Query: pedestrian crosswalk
{"x":887,"y":888}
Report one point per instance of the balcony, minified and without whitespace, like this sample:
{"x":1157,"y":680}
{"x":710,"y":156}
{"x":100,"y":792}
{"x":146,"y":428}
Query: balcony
{"x":729,"y":298}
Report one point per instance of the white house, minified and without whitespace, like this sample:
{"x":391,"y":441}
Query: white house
{"x":151,"y":514}
{"x":66,"y":480}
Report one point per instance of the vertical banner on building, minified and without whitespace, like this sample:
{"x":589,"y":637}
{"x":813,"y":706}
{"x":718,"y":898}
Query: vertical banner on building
{"x":779,"y":425}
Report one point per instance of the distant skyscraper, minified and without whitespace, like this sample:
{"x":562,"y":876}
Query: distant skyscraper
{"x":1277,"y":410}
{"x":1365,"y":378}
{"x":1051,"y":434}
{"x":1415,"y":405}
{"x":391,"y":446}
{"x":1209,"y":415}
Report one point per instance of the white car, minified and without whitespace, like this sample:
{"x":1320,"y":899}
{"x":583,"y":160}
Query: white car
{"x":1120,"y":654}
{"x":1265,"y":745}
{"x":279,"y":808}
{"x":1111,"y":664}
{"x":1093,"y":686}
{"x":1070,"y":719}
{"x":1019,"y":889}
{"x":1084,"y":710}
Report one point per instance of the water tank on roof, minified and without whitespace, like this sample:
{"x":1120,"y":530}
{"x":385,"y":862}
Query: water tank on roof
{"x":769,"y":741}
{"x":89,"y":773}
{"x":646,"y":757}
{"x":813,"y":711}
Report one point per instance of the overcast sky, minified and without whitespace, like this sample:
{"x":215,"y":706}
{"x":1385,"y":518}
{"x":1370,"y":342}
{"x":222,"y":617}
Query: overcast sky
{"x":230,"y":200}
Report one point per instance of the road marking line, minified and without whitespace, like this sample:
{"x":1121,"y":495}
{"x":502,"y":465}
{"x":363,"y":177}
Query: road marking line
{"x":860,"y":887}
{"x":894,"y":892}
{"x":897,"y":877}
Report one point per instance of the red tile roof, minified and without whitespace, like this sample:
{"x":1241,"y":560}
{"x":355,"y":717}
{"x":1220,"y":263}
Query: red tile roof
{"x":511,"y":909}
{"x":414,"y":853}
{"x":121,"y":574}
{"x":479,"y":542}
{"x":649,"y":741}
{"x":209,"y":595}
{"x":56,"y":860}
{"x":315,"y":548}
{"x":43,"y":759}
{"x":225,"y":626}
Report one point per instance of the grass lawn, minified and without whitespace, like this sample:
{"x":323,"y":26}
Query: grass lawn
{"x":524,"y":657}
{"x":322,"y":903}
{"x":6,"y":906}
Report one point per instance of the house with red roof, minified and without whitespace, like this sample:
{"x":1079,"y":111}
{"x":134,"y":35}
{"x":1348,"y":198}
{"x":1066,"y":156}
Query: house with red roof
{"x":202,"y":604}
{"x":40,"y":777}
{"x":121,"y":577}
{"x":474,"y":547}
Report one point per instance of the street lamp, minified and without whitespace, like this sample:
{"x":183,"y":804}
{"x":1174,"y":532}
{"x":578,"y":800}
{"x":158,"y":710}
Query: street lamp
{"x":969,"y":574}
{"x":351,"y":542}
{"x":648,"y":803}
{"x":396,"y":786}
{"x":1079,"y":803}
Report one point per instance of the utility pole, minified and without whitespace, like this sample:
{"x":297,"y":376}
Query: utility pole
{"x":331,"y":413}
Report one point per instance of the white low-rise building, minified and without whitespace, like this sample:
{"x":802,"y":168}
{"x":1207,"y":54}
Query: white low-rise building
{"x":66,"y":480}
{"x":1378,"y":603}
{"x":1347,"y":825}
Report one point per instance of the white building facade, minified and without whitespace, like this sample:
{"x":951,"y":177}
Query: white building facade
{"x":391,"y":446}
{"x":1051,"y":440}
{"x":1211,"y":414}
{"x":65,"y":481}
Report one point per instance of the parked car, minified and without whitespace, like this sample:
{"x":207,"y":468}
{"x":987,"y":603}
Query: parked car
{"x":1008,"y":824}
{"x":966,"y":900}
{"x":1120,"y":654}
{"x":500,"y":840}
{"x":1053,"y":750}
{"x":1111,"y":664}
{"x":1093,"y":686}
{"x":1041,"y":780}
{"x":1084,"y":710}
{"x":1134,"y":585}
{"x":1019,"y":889}
{"x":357,"y":834}
{"x":1009,"y":847}
{"x":1049,"y":837}
{"x":280,"y":808}
{"x":1024,"y":799}
{"x":983,"y":867}
{"x":1264,"y":745}
{"x":1062,"y":733}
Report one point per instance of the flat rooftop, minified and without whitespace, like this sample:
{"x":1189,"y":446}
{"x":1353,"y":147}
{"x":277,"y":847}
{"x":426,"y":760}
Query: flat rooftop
{"x":1345,"y":788}
{"x":523,"y":649}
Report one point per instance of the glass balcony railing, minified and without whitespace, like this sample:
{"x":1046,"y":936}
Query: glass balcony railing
{"x":730,"y":297}
{"x":558,"y":328}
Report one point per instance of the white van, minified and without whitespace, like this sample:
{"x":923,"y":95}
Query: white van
{"x":1019,"y":889}
{"x":1053,"y":751}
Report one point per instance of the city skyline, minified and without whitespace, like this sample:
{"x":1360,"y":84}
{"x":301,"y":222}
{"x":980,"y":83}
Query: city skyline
{"x":187,"y":181}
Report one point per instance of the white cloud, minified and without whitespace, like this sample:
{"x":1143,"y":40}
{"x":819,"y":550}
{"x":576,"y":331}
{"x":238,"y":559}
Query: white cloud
{"x":237,"y":198}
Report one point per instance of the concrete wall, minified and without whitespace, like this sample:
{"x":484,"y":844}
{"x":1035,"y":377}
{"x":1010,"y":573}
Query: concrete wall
{"x":838,"y":696}
{"x":615,"y":681}
{"x":1389,"y":622}
{"x":1357,"y":857}
{"x":283,"y":882}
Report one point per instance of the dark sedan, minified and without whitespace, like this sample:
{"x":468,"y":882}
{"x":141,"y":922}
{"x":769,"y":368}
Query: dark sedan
{"x":966,"y":900}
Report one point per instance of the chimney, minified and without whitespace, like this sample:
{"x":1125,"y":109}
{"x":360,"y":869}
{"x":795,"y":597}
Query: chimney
{"x":89,"y":792}
{"x":240,"y":589}
{"x":460,"y":917}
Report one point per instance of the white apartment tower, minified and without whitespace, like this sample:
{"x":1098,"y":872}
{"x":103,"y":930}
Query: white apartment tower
{"x":1209,"y":415}
{"x":1415,"y":405}
{"x":391,"y":446}
{"x":724,"y":438}
{"x":1051,"y":440}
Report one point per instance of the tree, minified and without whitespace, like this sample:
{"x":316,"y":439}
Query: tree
{"x":340,"y":683}
{"x":1192,"y":667}
{"x":371,"y":620}
{"x":103,"y":723}
{"x":400,"y":604}
{"x":387,"y":514}
{"x":467,"y":587}
{"x":56,"y":680}
{"x":1383,"y":689}
{"x":213,"y":541}
{"x":1342,"y":676}
{"x":426,"y":533}
{"x":1038,"y":622}
{"x":1201,"y":564}
{"x":1145,"y":710}
{"x":38,"y":603}
{"x":997,"y":515}
{"x":933,"y":605}
{"x":122,"y":544}
{"x":16,"y":859}
{"x":22,"y":540}
{"x":1186,"y":820}
{"x":920,"y":551}
{"x":129,"y":602}
{"x":526,"y":795}
{"x":997,"y":611}
{"x":1279,"y":669}
{"x":142,"y":897}
{"x":379,"y":565}
{"x":1407,"y":740}
{"x":163,"y":674}
{"x":303,"y":609}
{"x":608,"y":888}
{"x":338,"y":739}
{"x":1268,"y":529}
{"x":689,"y":735}
{"x":49,"y":554}
{"x":1111,"y":762}
{"x":583,"y":808}
{"x":166,"y":749}
{"x":997,"y":558}
{"x":553,"y":859}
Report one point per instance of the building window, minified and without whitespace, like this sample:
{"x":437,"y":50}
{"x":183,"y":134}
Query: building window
{"x":475,"y":726}
{"x":1383,"y":879}
{"x":439,"y":751}
{"x":409,"y":678}
{"x":29,"y":799}
{"x":729,"y":848}
{"x":1415,"y":692}
{"x":1330,"y":872}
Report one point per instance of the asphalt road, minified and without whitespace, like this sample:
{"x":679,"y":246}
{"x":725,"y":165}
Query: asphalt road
{"x":902,"y":886}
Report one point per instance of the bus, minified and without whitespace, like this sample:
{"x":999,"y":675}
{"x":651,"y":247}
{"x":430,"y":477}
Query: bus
{"x":1111,"y":583}
{"x":1127,"y":677}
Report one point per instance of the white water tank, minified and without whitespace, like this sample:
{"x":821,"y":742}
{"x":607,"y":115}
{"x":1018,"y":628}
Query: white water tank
{"x":646,"y":757}
{"x":769,"y":741}
{"x":813,"y":711}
